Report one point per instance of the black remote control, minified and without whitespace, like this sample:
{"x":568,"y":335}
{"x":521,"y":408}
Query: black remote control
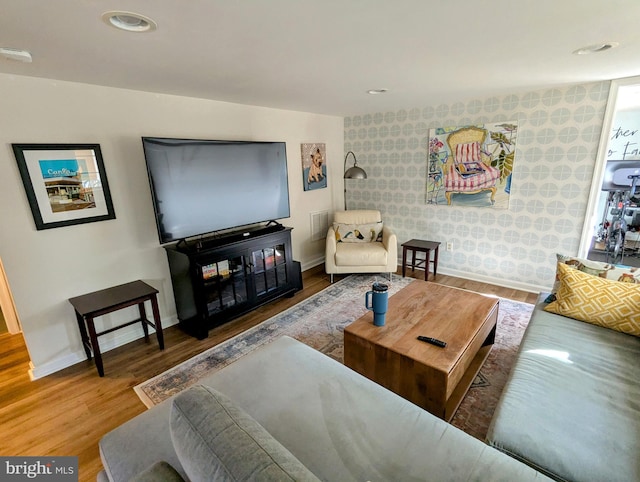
{"x":433,"y":341}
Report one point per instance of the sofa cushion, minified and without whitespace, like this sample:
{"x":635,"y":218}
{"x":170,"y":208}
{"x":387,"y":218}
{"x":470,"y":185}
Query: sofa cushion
{"x":344,"y":427}
{"x":358,"y":233}
{"x":215,"y":440}
{"x":369,"y":254}
{"x":625,"y":274}
{"x":158,"y":472}
{"x":599,"y":301}
{"x":570,"y":406}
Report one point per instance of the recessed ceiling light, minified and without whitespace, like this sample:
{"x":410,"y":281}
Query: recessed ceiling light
{"x":377,"y":91}
{"x":595,"y":48}
{"x":129,"y":21}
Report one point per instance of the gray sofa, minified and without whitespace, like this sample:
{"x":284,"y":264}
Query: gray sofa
{"x":288,"y":412}
{"x":571,"y":405}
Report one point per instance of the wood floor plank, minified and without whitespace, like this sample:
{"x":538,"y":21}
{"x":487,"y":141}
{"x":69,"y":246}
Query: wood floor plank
{"x":69,"y":411}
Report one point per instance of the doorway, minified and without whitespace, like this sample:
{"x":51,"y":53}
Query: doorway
{"x":12,"y":344}
{"x":3,"y":324}
{"x":9,"y":322}
{"x":611,"y":231}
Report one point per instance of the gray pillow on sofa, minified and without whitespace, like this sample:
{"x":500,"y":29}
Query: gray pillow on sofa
{"x":215,"y":440}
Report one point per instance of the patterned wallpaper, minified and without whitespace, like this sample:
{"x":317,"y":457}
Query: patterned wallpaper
{"x":558,"y":135}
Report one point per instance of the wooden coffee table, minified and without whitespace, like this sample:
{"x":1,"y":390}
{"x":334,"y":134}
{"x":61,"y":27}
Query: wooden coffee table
{"x":433,"y":378}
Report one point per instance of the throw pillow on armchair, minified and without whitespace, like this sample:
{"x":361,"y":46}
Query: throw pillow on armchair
{"x":358,"y":233}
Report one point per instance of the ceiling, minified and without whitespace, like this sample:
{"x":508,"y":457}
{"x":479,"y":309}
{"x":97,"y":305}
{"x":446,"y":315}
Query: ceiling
{"x":322,"y":56}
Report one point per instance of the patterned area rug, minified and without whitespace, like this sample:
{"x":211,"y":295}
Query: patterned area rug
{"x":319,"y":322}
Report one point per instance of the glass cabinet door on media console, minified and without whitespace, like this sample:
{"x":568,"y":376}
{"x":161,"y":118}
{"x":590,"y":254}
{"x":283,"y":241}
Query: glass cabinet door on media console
{"x":224,"y":283}
{"x":269,"y":266}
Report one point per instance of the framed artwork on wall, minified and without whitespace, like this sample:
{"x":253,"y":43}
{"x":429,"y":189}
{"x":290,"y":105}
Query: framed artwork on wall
{"x":471,"y":166}
{"x":314,"y":166}
{"x":66,"y":184}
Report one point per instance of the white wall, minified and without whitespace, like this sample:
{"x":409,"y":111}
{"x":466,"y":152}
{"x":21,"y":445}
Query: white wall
{"x":45,"y":268}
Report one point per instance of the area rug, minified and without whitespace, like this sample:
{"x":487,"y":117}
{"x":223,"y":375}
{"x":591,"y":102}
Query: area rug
{"x":319,"y":322}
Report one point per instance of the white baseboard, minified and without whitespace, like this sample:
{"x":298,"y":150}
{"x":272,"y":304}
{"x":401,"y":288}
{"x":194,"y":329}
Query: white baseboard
{"x":119,"y":338}
{"x":474,"y":277}
{"x":312,"y":263}
{"x":36,"y":372}
{"x":494,"y":281}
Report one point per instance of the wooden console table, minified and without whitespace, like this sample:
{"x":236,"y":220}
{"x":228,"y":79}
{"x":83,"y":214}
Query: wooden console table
{"x":105,"y":301}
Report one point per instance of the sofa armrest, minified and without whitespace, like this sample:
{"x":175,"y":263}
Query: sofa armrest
{"x":390,"y":242}
{"x":330,"y":251}
{"x":217,"y":440}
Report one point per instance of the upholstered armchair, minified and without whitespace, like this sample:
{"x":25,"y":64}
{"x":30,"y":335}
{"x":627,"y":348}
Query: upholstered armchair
{"x":358,"y":242}
{"x":468,"y":169}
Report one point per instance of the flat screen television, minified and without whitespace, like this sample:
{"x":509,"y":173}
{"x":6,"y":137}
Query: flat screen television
{"x":202,"y":186}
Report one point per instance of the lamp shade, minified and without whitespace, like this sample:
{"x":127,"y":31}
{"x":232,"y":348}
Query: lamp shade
{"x":355,"y":172}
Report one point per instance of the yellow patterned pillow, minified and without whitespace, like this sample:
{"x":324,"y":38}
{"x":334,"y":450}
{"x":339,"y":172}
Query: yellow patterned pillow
{"x":625,"y":274}
{"x":599,"y":301}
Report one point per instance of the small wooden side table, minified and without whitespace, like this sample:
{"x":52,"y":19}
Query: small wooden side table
{"x":419,"y":245}
{"x":105,"y":301}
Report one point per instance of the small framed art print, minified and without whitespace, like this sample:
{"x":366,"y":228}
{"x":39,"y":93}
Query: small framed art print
{"x":65,"y":184}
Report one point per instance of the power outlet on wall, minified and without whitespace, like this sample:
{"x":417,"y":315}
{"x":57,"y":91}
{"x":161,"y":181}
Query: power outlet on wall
{"x":449,"y":246}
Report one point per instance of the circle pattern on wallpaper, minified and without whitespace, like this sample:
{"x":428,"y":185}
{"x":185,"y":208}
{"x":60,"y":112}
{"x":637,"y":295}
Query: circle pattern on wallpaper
{"x":558,"y":131}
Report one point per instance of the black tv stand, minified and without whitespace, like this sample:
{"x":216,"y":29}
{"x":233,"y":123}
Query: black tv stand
{"x":212,"y":240}
{"x":219,"y":278}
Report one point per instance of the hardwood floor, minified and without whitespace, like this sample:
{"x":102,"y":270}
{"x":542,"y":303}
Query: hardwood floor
{"x":67,"y":413}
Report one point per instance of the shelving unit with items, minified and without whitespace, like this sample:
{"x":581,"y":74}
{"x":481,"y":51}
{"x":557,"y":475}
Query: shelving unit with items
{"x":216,"y":281}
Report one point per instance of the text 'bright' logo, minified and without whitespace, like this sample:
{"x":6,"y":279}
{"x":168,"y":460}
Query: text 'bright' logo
{"x":30,"y":470}
{"x":60,"y":469}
